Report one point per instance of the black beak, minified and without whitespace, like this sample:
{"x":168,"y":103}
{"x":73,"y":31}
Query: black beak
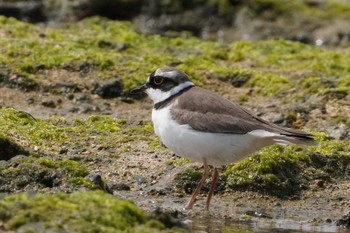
{"x":139,"y":89}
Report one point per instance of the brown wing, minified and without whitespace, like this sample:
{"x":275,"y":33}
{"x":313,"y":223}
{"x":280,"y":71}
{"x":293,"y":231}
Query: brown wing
{"x":205,"y":111}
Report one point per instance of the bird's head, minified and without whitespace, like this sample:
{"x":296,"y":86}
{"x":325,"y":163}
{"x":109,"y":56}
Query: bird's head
{"x":164,"y":83}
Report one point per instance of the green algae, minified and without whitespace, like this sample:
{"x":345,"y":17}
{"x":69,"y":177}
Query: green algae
{"x":102,"y":124}
{"x":192,"y":174}
{"x":179,"y":161}
{"x":34,"y":130}
{"x":74,"y":168}
{"x":286,"y":171}
{"x":54,"y":133}
{"x":75,"y":212}
{"x":112,"y":48}
{"x":287,"y":55}
{"x":289,"y":59}
{"x":279,"y":66}
{"x":274,"y":170}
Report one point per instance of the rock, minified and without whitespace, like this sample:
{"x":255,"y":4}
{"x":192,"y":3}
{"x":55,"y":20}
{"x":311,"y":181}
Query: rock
{"x":344,"y":221}
{"x":338,"y":131}
{"x":84,"y":68}
{"x":109,"y":89}
{"x":278,"y":119}
{"x":30,"y":100}
{"x":49,"y":103}
{"x":120,"y":187}
{"x":126,"y":99}
{"x":97,"y":179}
{"x":83,"y":98}
{"x":73,"y":109}
{"x":258,"y":213}
{"x":86,"y":109}
{"x":10,"y":149}
{"x":140,"y":180}
{"x":17,"y":82}
{"x":17,"y":158}
{"x":159,"y":191}
{"x":65,"y":86}
{"x":63,"y":150}
{"x":169,"y":219}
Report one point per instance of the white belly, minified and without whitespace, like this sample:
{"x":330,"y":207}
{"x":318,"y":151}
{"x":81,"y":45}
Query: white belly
{"x":216,"y":149}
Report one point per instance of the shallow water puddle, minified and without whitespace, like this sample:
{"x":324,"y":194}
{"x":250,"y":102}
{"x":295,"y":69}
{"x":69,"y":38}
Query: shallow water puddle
{"x":210,"y":225}
{"x":246,"y":215}
{"x":293,"y":221}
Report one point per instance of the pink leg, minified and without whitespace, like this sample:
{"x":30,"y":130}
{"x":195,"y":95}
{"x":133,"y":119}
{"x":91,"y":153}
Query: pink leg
{"x":190,"y":203}
{"x":212,"y":187}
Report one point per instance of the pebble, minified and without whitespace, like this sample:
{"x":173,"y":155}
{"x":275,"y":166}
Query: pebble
{"x":258,"y":213}
{"x":344,"y":221}
{"x":63,"y":150}
{"x":97,"y":179}
{"x":30,"y":100}
{"x":140,"y":180}
{"x":338,"y":131}
{"x":120,"y":187}
{"x":49,"y":103}
{"x":82,"y":98}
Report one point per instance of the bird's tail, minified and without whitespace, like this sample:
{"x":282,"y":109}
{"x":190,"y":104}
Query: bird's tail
{"x":297,"y":137}
{"x":285,"y":137}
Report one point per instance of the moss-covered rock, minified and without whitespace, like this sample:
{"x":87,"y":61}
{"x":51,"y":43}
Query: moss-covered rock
{"x":32,"y":173}
{"x":286,"y":171}
{"x":75,"y":212}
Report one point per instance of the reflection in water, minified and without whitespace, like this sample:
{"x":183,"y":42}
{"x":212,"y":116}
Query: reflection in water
{"x":207,"y":222}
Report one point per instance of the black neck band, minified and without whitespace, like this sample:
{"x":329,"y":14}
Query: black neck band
{"x":163,"y":103}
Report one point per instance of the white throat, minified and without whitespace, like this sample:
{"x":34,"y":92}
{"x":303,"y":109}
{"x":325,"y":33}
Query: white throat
{"x":158,"y":95}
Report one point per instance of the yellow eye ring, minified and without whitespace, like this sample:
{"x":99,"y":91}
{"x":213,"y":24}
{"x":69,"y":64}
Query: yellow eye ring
{"x":158,"y":80}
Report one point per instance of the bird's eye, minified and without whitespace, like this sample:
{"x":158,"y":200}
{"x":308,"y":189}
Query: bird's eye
{"x":158,"y":80}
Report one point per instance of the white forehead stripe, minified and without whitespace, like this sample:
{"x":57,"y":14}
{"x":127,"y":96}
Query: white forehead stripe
{"x":166,"y":74}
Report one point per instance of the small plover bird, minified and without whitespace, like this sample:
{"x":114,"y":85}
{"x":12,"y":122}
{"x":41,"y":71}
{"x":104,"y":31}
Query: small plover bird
{"x":205,"y":127}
